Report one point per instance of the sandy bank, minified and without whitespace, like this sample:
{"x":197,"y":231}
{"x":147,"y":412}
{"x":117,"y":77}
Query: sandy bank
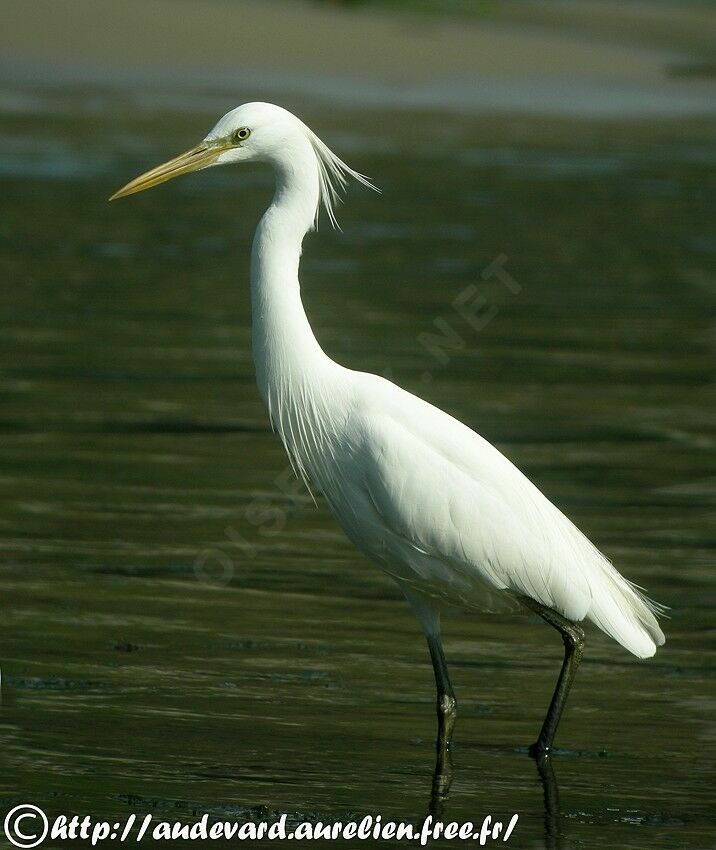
{"x":368,"y":56}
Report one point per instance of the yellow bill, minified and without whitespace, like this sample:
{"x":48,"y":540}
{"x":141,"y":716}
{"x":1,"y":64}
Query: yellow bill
{"x":192,"y":160}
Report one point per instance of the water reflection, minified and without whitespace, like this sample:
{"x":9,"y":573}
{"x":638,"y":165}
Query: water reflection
{"x":443,"y":774}
{"x":550,"y":791}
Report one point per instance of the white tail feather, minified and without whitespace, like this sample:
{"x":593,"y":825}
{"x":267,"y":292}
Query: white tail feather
{"x":627,"y":615}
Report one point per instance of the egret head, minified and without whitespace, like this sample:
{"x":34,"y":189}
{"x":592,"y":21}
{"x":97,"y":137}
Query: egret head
{"x":252,"y":131}
{"x":259,"y":132}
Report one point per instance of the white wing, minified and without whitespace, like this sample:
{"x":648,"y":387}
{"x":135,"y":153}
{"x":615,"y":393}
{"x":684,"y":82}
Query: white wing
{"x":456,"y":511}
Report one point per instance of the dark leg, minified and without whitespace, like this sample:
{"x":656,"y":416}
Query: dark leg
{"x":447,"y":714}
{"x":427,"y":610}
{"x":446,"y":702}
{"x":573,"y":638}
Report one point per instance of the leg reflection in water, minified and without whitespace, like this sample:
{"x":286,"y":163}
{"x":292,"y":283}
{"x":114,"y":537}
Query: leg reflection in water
{"x":550,"y":792}
{"x":442,"y":780}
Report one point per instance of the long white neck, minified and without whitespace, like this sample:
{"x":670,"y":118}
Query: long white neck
{"x":290,"y":365}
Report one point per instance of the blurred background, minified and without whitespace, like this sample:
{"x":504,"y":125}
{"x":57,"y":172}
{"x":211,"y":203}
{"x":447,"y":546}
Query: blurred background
{"x":183,"y":630}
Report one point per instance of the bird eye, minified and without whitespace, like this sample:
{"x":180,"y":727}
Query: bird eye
{"x":241,"y":134}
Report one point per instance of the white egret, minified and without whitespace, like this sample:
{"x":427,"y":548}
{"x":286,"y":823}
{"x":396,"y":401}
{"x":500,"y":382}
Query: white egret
{"x":430,"y":501}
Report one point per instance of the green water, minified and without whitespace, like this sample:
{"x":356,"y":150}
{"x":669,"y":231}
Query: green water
{"x":183,"y":631}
